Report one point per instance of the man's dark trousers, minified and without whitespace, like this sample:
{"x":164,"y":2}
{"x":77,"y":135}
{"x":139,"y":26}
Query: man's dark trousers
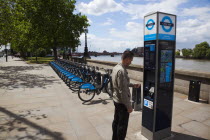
{"x":120,"y":123}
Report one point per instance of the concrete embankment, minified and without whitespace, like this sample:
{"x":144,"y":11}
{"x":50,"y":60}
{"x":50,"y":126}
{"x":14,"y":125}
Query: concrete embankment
{"x":182,"y":77}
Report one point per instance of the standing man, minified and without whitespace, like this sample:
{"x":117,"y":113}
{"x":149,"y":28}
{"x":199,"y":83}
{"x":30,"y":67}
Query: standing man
{"x":122,"y":96}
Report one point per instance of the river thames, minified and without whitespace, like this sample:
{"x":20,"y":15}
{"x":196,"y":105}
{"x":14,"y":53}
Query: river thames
{"x":181,"y":63}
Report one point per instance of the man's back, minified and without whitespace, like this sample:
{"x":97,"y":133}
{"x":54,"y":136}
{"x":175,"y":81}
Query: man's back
{"x":121,"y":82}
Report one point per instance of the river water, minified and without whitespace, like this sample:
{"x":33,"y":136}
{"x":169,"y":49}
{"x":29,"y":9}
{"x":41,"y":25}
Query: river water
{"x":181,"y":63}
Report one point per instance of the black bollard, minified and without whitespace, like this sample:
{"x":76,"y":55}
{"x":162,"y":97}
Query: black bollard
{"x":136,"y":98}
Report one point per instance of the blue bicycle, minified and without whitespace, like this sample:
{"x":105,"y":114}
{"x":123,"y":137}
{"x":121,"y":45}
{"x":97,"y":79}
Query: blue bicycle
{"x":87,"y":91}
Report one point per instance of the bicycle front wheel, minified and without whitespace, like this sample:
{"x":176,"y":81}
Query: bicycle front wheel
{"x":75,"y":86}
{"x":86,"y":94}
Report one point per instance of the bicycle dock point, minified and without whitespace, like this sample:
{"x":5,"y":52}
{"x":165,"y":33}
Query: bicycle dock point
{"x":84,"y":79}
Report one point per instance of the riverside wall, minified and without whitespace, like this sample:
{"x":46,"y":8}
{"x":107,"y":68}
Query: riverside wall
{"x":182,"y":77}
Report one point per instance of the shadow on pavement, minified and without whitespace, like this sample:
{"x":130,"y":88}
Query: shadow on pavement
{"x":16,"y":76}
{"x":180,"y":136}
{"x":17,"y":124}
{"x":19,"y":60}
{"x":100,"y":101}
{"x":15,"y":69}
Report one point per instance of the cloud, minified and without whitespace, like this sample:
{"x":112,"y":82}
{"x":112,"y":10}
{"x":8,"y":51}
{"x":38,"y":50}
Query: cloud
{"x":138,"y":11}
{"x":100,"y":44}
{"x":118,"y":41}
{"x":197,"y":12}
{"x":99,"y":7}
{"x":130,"y":0}
{"x":133,"y":31}
{"x":193,"y":30}
{"x":192,"y":33}
{"x":192,"y":23}
{"x":109,"y":21}
{"x":90,"y":21}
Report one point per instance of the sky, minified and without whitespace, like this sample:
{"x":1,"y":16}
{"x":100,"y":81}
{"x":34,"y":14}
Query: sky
{"x":116,"y":25}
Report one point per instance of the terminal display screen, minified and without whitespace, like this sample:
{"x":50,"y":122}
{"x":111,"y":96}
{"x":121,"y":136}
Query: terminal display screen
{"x":166,"y":66}
{"x":149,"y":56}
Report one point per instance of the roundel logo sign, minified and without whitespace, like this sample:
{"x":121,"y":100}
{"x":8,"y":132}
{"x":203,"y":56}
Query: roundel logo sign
{"x":150,"y":24}
{"x":166,"y":24}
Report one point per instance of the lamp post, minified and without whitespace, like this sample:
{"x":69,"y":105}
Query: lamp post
{"x":6,"y":52}
{"x":86,"y":54}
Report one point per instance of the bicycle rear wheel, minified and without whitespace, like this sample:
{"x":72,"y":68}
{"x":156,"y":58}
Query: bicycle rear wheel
{"x":86,"y":94}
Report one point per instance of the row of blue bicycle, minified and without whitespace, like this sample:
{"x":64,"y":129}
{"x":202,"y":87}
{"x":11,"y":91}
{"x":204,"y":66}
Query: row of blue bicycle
{"x":84,"y":79}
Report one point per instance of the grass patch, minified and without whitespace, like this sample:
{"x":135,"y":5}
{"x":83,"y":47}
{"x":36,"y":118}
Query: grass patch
{"x":40,"y":60}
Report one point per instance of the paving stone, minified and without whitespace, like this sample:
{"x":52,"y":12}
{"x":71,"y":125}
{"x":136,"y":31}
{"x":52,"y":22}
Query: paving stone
{"x":82,"y":126}
{"x":179,"y":120}
{"x":196,"y":114}
{"x":62,"y":127}
{"x":105,"y":131}
{"x":176,"y":128}
{"x":177,"y":111}
{"x":70,"y":136}
{"x":176,"y":99}
{"x":179,"y":95}
{"x":185,"y":105}
{"x":207,"y":122}
{"x":3,"y":135}
{"x":197,"y":128}
{"x":97,"y":121}
{"x":135,"y":122}
{"x":91,"y":136}
{"x":205,"y":107}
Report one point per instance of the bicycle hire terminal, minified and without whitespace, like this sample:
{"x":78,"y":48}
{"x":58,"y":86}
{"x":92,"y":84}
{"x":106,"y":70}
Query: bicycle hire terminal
{"x":158,"y":83}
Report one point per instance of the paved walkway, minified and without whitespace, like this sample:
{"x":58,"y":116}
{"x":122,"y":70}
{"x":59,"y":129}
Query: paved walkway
{"x":36,"y":104}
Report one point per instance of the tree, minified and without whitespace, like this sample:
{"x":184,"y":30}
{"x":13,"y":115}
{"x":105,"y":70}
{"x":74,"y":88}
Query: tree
{"x":22,"y":41}
{"x":200,"y":50}
{"x":6,"y":22}
{"x":41,"y":24}
{"x":208,"y":53}
{"x":187,"y":52}
{"x":57,"y":22}
{"x":178,"y":53}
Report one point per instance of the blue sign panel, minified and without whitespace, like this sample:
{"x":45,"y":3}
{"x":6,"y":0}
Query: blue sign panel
{"x":149,"y":37}
{"x":166,"y":37}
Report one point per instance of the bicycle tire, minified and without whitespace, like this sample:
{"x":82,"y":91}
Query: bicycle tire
{"x":90,"y":94}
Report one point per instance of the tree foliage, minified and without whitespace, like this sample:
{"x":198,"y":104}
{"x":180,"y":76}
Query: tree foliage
{"x":177,"y":53}
{"x":32,"y":25}
{"x":208,"y":54}
{"x":6,"y":22}
{"x":200,"y":50}
{"x":187,"y":52}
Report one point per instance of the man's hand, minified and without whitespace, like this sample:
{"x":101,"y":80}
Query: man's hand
{"x":136,"y":85}
{"x":130,"y":110}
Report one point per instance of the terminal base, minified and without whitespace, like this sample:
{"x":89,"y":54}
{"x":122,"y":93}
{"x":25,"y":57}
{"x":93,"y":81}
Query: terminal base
{"x":159,"y":135}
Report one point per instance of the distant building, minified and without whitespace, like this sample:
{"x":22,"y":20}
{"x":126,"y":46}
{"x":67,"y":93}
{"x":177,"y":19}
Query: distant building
{"x":139,"y":51}
{"x":105,"y":52}
{"x":181,"y":54}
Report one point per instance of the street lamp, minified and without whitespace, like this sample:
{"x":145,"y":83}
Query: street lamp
{"x":86,"y":54}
